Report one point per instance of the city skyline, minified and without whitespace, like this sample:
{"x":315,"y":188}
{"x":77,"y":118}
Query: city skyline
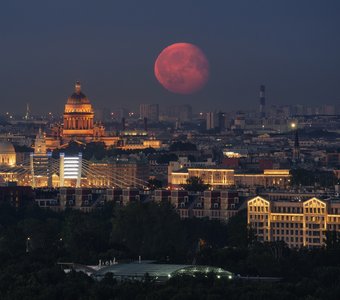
{"x":169,"y":150}
{"x":290,"y":47}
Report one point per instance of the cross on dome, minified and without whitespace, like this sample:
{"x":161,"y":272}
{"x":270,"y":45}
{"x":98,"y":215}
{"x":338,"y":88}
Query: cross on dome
{"x":78,"y":87}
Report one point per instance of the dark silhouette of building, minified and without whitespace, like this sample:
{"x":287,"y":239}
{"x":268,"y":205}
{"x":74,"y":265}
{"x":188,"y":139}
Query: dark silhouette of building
{"x":296,"y":149}
{"x":221,"y":121}
{"x":17,"y":196}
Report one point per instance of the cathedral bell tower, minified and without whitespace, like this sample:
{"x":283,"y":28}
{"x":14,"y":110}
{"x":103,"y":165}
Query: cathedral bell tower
{"x":40,"y":143}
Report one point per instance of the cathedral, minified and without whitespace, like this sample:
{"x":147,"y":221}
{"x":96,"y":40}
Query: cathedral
{"x":78,"y":124}
{"x":78,"y":116}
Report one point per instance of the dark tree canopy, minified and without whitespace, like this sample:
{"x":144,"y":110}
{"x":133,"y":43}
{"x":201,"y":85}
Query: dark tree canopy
{"x":183,"y":146}
{"x":195,"y":184}
{"x":29,"y":268}
{"x":311,"y":178}
{"x":154,"y":184}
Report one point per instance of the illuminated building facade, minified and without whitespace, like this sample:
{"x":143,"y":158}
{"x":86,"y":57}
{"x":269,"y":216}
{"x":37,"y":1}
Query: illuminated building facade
{"x":122,"y":173}
{"x":78,"y":115}
{"x":137,"y":140}
{"x":78,"y":123}
{"x":99,"y":175}
{"x":269,"y":178}
{"x":42,"y":170}
{"x":8,"y":172}
{"x":7,"y":154}
{"x":41,"y":163}
{"x":222,"y":177}
{"x":297,"y":223}
{"x":152,"y":143}
{"x":70,"y":170}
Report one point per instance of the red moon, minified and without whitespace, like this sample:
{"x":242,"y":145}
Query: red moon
{"x":182,"y":68}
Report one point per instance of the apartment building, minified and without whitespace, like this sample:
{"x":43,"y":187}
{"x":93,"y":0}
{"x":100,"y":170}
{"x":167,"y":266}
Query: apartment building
{"x":219,"y":177}
{"x":214,"y":205}
{"x":301,"y":223}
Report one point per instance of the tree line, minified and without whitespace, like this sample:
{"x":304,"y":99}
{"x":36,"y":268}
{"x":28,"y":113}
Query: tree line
{"x":34,"y":240}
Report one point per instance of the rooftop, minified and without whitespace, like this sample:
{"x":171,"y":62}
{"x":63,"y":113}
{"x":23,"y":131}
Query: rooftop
{"x":160,"y":272}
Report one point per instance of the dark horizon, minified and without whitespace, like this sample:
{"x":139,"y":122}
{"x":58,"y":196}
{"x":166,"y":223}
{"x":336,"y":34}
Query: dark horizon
{"x":290,"y":47}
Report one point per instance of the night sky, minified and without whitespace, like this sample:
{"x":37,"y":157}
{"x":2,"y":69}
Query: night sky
{"x":293,"y":47}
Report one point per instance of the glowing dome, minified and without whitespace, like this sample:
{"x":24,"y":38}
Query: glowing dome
{"x":78,"y":115}
{"x":7,"y":154}
{"x":6,"y":148}
{"x":78,"y":97}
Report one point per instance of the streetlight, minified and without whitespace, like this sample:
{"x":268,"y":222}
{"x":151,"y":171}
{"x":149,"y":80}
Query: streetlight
{"x":27,"y":244}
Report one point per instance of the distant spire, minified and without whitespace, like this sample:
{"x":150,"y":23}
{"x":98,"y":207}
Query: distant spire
{"x":28,"y":112}
{"x":40,"y":143}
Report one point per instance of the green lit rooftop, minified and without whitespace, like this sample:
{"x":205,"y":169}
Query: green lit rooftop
{"x":159,"y":272}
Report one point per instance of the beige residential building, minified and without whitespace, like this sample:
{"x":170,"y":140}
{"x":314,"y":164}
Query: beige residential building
{"x":297,"y":223}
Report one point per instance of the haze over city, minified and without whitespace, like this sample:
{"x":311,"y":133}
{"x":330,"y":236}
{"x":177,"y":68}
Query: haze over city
{"x":290,"y":46}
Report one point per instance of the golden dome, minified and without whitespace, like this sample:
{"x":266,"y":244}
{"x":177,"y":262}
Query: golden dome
{"x":6,"y":148}
{"x":7,"y":154}
{"x":78,"y":97}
